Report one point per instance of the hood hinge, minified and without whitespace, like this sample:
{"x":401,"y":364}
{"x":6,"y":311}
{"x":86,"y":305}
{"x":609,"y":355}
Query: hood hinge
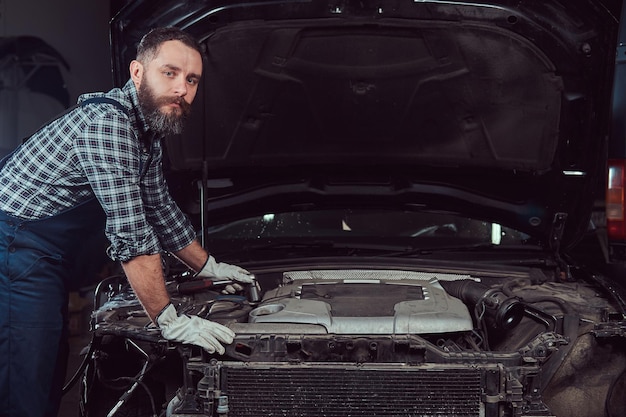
{"x":556,"y":236}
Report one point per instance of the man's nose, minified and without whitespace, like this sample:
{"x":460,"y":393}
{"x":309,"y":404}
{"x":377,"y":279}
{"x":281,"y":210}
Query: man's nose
{"x":180,"y":87}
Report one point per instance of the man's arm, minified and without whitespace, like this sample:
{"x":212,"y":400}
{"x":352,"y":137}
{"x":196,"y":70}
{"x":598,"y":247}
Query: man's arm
{"x":193,"y":255}
{"x":145,"y":275}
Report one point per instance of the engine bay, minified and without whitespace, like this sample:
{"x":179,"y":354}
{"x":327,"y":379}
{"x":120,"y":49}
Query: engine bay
{"x":501,"y":339}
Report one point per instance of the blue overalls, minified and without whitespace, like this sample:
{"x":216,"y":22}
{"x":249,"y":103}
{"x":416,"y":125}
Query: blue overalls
{"x":36,"y":257}
{"x":35,"y":264}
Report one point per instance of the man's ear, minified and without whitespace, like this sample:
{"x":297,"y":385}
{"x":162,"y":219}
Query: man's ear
{"x":136,"y":72}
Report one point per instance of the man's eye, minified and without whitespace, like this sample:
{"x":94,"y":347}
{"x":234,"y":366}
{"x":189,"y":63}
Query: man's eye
{"x":192,"y":81}
{"x":168,"y":73}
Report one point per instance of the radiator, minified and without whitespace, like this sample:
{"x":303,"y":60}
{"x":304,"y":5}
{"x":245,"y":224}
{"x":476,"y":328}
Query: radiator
{"x":352,"y":390}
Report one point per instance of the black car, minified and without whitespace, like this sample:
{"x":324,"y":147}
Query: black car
{"x":410,"y":182}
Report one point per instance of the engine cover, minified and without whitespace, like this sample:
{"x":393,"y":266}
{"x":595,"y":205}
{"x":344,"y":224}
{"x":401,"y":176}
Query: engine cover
{"x":365,"y":302}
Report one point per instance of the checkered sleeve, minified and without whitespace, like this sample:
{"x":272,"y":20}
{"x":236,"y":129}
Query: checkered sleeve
{"x":109,"y":154}
{"x":173,"y":227}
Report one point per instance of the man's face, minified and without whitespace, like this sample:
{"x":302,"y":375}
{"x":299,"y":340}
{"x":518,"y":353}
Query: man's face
{"x":167,"y":86}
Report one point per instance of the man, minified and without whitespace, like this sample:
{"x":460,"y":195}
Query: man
{"x":100,"y":163}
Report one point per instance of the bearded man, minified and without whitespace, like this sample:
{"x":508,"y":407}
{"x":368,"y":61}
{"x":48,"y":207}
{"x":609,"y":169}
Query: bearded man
{"x":98,"y":164}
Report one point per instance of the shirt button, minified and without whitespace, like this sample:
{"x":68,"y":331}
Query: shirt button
{"x":11,"y":249}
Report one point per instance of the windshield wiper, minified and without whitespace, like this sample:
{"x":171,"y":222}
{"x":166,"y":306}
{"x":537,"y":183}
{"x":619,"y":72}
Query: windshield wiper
{"x":328,"y":244}
{"x":429,"y":250}
{"x":387,"y":250}
{"x":484,"y":246}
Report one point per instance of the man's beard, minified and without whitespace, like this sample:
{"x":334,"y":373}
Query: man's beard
{"x":171,"y":123}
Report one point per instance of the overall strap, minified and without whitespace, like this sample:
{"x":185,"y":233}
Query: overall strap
{"x":97,"y":100}
{"x":101,"y":99}
{"x":105,"y":100}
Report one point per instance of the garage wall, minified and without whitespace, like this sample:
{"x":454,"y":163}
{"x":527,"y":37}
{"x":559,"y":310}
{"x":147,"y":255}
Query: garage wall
{"x":79,"y":31}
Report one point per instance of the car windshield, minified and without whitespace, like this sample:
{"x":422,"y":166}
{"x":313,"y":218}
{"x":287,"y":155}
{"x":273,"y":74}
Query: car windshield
{"x":338,"y":225}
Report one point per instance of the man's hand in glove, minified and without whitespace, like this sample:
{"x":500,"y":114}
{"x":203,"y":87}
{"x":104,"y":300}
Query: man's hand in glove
{"x":193,"y":330}
{"x":222,"y":270}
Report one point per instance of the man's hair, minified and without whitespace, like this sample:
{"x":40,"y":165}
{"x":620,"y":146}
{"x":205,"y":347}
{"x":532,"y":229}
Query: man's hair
{"x":149,"y":45}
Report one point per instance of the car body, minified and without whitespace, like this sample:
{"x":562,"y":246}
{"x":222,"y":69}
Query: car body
{"x":409,"y":182}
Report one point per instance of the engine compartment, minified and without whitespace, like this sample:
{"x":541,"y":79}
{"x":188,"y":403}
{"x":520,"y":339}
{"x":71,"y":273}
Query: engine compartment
{"x":496,"y":344}
{"x":484,"y":311}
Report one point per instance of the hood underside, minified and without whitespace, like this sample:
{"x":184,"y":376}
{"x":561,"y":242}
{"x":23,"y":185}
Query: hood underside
{"x":493,"y":109}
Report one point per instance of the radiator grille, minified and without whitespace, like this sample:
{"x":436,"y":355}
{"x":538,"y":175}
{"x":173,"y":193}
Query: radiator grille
{"x":352,"y":392}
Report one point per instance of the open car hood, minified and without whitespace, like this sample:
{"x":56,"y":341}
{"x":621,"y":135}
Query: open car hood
{"x":496,"y":110}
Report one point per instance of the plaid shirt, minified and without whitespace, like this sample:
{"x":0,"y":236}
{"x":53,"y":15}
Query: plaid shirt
{"x":95,"y":150}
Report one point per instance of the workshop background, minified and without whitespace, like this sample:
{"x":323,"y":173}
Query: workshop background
{"x":40,"y":39}
{"x":51,"y":51}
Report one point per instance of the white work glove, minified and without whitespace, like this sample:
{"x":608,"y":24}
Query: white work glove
{"x":222,"y":270}
{"x":193,"y":330}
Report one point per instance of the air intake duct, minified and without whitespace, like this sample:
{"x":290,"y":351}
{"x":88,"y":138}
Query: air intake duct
{"x":500,"y":311}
